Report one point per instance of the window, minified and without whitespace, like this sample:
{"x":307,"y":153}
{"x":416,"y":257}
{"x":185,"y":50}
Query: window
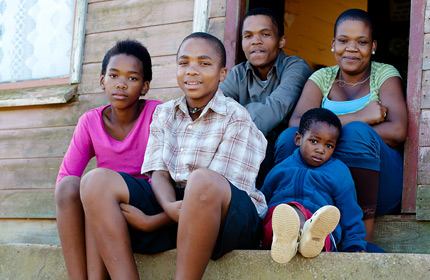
{"x":41,"y":44}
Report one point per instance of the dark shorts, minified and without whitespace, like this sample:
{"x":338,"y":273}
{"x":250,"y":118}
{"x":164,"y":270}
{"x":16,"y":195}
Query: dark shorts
{"x":242,"y":229}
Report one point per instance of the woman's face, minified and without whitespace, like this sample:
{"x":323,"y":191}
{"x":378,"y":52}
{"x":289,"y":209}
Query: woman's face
{"x":353,"y":46}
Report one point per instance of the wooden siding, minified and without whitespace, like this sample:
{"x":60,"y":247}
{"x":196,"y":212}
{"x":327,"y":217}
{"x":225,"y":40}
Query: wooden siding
{"x":34,"y":139}
{"x":419,"y":106}
{"x":309,"y":28}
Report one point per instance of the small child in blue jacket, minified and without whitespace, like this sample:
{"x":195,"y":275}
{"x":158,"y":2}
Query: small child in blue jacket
{"x":311,"y":181}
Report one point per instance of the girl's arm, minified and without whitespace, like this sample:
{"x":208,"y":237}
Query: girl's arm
{"x":311,"y":98}
{"x":139,"y":220}
{"x":164,"y":191}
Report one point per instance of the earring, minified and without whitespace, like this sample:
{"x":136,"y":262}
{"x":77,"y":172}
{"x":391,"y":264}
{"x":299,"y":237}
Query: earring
{"x":332,"y":49}
{"x":373,"y":52}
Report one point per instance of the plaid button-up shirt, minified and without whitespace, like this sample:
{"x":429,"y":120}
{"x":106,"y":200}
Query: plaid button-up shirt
{"x":223,"y":139}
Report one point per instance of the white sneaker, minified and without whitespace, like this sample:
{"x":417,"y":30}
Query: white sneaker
{"x":315,"y":230}
{"x":286,"y":227}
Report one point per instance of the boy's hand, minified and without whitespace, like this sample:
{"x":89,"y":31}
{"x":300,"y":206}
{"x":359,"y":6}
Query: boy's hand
{"x":136,"y":218}
{"x":173,"y":210}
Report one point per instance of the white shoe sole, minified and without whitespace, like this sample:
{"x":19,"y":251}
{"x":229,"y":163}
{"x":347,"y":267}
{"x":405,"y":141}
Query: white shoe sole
{"x":286,"y":226}
{"x":315,"y":230}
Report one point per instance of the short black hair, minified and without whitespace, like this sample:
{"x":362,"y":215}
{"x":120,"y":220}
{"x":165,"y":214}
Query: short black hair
{"x":276,"y":18}
{"x":134,"y":48}
{"x":319,"y":115}
{"x":219,"y":46}
{"x":355,"y":14}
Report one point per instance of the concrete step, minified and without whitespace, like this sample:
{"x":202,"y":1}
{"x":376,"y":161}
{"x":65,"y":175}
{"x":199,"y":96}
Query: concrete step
{"x":25,"y":261}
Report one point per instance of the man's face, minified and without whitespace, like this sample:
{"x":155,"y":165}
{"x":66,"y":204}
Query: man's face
{"x":261,"y":43}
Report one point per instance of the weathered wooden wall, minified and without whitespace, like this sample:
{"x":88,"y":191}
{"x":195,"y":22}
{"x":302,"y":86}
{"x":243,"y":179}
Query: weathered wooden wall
{"x":33,"y":139}
{"x":423,"y":172}
{"x":309,"y":28}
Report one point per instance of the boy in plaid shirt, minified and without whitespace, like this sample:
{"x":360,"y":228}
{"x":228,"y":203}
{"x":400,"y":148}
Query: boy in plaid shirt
{"x":203,"y":156}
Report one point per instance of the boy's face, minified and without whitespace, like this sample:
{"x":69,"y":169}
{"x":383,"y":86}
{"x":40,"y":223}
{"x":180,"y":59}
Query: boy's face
{"x":261,"y":43}
{"x":123,"y":82}
{"x":199,"y":71}
{"x":318,"y":143}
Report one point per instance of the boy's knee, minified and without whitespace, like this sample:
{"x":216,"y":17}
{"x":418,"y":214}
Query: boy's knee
{"x":204,"y":182}
{"x":67,"y":190}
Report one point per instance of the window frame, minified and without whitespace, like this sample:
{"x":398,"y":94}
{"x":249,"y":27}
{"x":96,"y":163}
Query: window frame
{"x":76,"y":58}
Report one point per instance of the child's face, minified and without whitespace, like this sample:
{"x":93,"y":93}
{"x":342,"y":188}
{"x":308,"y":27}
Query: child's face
{"x":260,"y":42}
{"x":318,"y":143}
{"x":123,"y":82}
{"x":199,"y":71}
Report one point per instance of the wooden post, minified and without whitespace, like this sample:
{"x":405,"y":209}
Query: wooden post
{"x":413,"y":97}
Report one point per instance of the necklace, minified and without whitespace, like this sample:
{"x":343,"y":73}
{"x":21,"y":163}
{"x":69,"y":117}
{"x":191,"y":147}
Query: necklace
{"x":343,"y":83}
{"x":195,"y":110}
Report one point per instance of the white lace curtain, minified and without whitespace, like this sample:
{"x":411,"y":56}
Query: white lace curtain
{"x":35,"y":39}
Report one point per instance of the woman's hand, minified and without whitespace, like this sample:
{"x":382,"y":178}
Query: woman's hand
{"x":173,"y":210}
{"x":373,"y":113}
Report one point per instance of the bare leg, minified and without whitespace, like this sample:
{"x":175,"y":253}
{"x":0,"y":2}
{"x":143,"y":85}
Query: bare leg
{"x":366,"y":183}
{"x":369,"y":225}
{"x":302,"y":217}
{"x":71,"y":229}
{"x":102,"y":191}
{"x":203,"y":213}
{"x":96,"y":267}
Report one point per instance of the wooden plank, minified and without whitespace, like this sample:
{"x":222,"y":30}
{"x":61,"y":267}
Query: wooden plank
{"x":154,"y":38}
{"x":67,"y":114}
{"x":413,"y":96}
{"x":235,"y":10}
{"x":423,"y":202}
{"x":29,"y":173}
{"x":36,"y":173}
{"x":102,"y":16}
{"x":427,"y":22}
{"x":35,"y":143}
{"x":163,"y":68}
{"x":425,"y":95}
{"x":27,"y":204}
{"x":37,"y":96}
{"x":423,"y":177}
{"x":426,"y":52}
{"x":424,"y":139}
{"x":29,"y":231}
{"x":50,"y":116}
{"x":78,"y":41}
{"x":402,"y":234}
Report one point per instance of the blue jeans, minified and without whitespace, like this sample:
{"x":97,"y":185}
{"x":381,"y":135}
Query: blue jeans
{"x":360,"y":146}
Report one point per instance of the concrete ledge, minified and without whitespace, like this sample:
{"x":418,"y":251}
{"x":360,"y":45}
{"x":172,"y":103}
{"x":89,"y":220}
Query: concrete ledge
{"x":21,"y":261}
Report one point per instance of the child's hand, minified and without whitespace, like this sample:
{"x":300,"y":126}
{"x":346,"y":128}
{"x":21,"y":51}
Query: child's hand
{"x":173,"y":210}
{"x":135,"y":218}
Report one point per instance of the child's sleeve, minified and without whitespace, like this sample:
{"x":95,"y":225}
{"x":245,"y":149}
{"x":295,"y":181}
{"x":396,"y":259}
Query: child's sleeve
{"x":240,"y":153}
{"x":269,"y":113}
{"x":154,"y":149}
{"x":353,"y":231}
{"x":79,"y":153}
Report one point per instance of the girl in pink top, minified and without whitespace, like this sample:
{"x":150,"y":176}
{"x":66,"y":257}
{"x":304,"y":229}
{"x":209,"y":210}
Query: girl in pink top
{"x":116,"y":135}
